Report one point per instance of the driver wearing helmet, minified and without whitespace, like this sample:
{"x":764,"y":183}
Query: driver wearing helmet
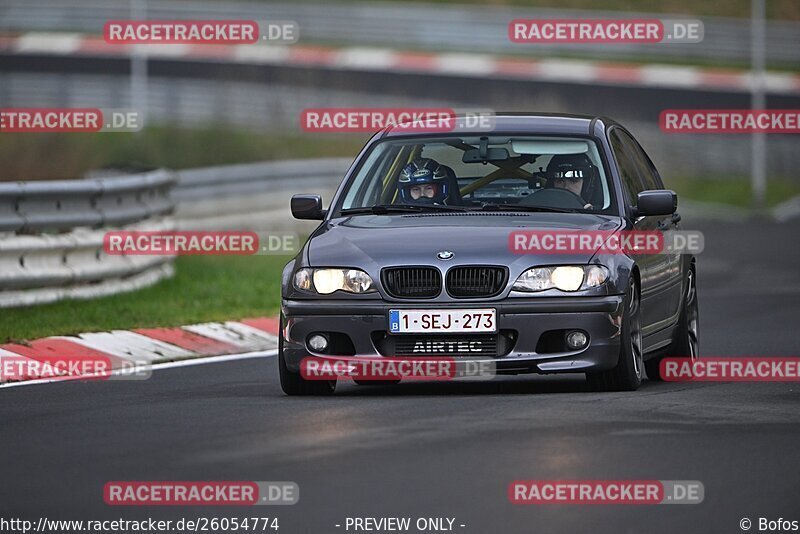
{"x":424,"y":181}
{"x":569,"y":172}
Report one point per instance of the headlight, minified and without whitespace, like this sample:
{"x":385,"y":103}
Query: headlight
{"x":595,"y":275}
{"x":563,"y":278}
{"x":326,"y":281}
{"x":302,"y":279}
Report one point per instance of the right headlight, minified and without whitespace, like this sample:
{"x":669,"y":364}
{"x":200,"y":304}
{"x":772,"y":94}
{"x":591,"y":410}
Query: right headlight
{"x":561,"y":277}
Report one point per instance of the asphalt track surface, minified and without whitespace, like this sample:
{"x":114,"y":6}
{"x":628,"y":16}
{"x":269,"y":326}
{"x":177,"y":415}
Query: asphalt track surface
{"x":442,"y":450}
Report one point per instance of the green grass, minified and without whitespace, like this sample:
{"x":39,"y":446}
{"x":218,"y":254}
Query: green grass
{"x":735,"y":191}
{"x":205,"y":288}
{"x":49,"y":156}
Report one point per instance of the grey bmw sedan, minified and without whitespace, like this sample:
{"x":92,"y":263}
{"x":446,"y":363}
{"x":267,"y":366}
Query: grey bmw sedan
{"x":471,"y":244}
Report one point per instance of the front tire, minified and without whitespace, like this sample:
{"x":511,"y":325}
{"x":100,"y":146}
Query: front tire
{"x":686,"y":343}
{"x":627,"y":375}
{"x":295,"y":385}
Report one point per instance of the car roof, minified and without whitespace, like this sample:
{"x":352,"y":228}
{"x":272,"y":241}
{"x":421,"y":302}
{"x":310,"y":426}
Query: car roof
{"x":527,"y":123}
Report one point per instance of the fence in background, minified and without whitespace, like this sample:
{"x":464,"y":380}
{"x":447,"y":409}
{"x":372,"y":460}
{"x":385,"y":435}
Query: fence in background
{"x":460,"y":28}
{"x":275,"y":108}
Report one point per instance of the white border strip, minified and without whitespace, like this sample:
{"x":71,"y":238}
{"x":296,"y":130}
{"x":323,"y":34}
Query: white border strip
{"x":443,"y":63}
{"x":155,"y":367}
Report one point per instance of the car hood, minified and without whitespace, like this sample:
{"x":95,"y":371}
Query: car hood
{"x":374,"y":241}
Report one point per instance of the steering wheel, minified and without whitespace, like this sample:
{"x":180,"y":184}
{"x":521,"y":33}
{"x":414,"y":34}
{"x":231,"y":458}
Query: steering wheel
{"x":554,"y":197}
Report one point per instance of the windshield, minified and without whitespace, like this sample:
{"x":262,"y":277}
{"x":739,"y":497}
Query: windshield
{"x":481,"y":173}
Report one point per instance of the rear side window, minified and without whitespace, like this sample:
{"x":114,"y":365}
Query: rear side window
{"x":628,"y":169}
{"x":647,"y":171}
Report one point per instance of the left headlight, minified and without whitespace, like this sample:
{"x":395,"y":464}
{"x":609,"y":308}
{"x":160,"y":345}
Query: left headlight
{"x":326,"y":281}
{"x":561,"y":277}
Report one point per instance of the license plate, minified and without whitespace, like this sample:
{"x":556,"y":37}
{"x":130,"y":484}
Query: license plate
{"x":437,"y":321}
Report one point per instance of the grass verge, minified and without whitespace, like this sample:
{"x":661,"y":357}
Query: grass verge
{"x":205,"y":288}
{"x":51,"y":156}
{"x":734,"y":191}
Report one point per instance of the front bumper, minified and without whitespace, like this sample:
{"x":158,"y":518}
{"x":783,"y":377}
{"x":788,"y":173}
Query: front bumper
{"x":527,"y":318}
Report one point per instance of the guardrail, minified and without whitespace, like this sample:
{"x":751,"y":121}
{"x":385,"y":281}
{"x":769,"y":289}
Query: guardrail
{"x":252,"y":196}
{"x":51,"y":233}
{"x":51,"y":236}
{"x":461,"y":28}
{"x":62,"y":204}
{"x":268,"y":177}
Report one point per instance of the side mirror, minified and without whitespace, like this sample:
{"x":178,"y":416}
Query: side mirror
{"x":656,"y":202}
{"x":307,"y":207}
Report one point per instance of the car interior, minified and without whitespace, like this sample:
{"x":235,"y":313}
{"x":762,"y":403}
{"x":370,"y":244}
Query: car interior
{"x":496,"y":170}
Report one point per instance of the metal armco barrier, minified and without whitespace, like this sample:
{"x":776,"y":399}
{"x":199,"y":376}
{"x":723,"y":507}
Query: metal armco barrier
{"x":253,"y":196}
{"x":27,"y":207}
{"x":51,"y":236}
{"x":51,"y":233}
{"x":267,"y":177}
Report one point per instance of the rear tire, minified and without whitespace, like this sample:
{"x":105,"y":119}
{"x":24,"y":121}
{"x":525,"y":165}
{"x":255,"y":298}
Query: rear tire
{"x":292,"y":383}
{"x":627,"y":375}
{"x":686,"y":343}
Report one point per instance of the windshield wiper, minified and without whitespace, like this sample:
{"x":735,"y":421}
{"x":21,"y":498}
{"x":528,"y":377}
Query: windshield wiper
{"x":524,"y":207}
{"x":383,"y":209}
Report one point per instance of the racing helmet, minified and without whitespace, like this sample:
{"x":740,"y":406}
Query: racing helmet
{"x":576,"y":167}
{"x":569,"y":167}
{"x":424,"y":171}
